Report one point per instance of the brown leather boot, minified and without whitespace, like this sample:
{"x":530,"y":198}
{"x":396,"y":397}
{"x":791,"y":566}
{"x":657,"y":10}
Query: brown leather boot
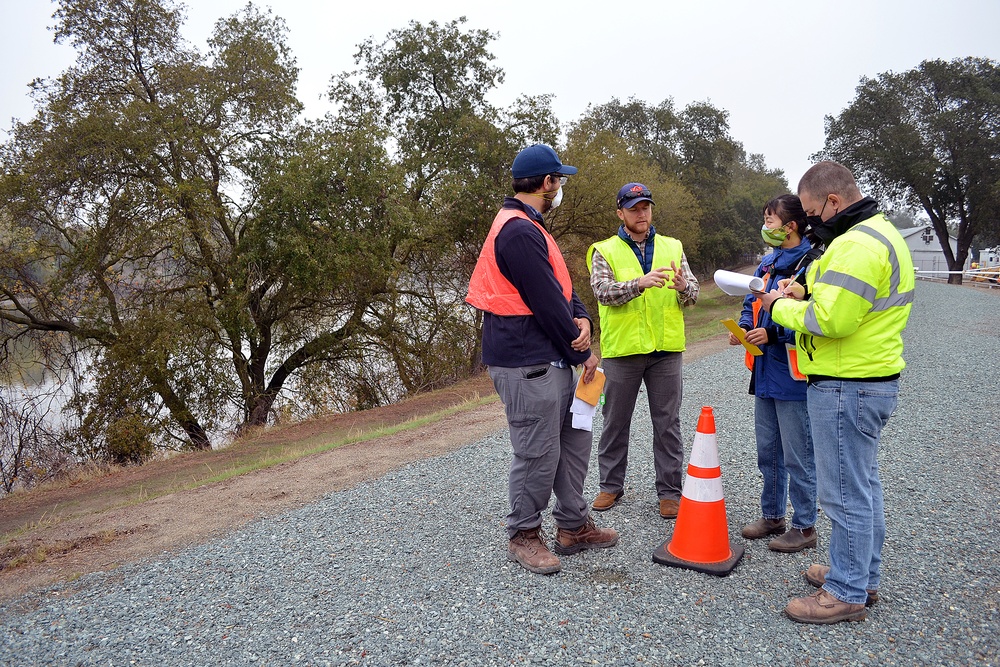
{"x":822,"y":608}
{"x":605,"y":501}
{"x":816,"y":575}
{"x":763,"y":527}
{"x":794,"y":540}
{"x":587,"y":536}
{"x":669,"y":508}
{"x":528,"y":548}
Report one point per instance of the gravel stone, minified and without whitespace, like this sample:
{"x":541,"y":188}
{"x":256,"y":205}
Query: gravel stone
{"x":411,"y":568}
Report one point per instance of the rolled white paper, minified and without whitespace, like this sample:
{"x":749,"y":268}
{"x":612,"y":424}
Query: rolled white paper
{"x":738,"y":284}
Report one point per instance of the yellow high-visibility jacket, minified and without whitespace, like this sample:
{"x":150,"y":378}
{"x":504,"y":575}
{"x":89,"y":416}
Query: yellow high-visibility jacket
{"x":860,"y":296}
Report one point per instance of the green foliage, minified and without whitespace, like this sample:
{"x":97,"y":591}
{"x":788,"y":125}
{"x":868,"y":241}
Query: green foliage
{"x":175,"y":220}
{"x":929,"y":138}
{"x":691,"y":147}
{"x":425,"y":88}
{"x":188,"y":250}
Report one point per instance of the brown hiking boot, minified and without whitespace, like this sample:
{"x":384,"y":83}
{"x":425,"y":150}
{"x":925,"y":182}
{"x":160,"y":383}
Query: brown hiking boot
{"x":822,"y":608}
{"x":763,"y":527}
{"x":605,"y":501}
{"x":794,"y":540}
{"x":528,"y":548}
{"x":669,"y":508}
{"x":816,"y":575}
{"x":587,"y":536}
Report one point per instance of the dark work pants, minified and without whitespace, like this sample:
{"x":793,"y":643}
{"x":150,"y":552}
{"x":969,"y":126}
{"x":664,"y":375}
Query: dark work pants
{"x":663,"y":377}
{"x":550,"y":456}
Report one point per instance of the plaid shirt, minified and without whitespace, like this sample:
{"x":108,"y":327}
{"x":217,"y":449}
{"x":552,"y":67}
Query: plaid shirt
{"x":610,"y":292}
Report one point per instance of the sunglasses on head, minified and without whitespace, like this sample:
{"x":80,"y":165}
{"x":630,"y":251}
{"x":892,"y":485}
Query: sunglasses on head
{"x":634,"y":195}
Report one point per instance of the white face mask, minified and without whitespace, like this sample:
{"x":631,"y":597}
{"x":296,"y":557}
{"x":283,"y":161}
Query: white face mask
{"x":557,"y":199}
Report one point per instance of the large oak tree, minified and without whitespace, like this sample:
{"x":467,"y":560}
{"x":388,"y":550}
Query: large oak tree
{"x":929,"y":138}
{"x":191,"y":243}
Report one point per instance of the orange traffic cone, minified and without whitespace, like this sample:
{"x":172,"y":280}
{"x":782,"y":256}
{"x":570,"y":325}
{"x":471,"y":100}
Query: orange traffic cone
{"x":701,"y":534}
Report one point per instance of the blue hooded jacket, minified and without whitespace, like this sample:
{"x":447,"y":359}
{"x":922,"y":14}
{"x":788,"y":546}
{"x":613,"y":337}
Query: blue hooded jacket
{"x":770,"y":377}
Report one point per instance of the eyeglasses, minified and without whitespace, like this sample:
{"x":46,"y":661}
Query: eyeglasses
{"x":560,"y":178}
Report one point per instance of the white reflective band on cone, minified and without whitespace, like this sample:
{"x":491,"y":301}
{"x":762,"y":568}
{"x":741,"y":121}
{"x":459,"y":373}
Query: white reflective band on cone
{"x":702,"y":490}
{"x":704,"y":452}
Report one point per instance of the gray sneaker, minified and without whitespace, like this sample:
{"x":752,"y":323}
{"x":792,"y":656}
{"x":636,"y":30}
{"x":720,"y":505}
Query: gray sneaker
{"x":794,"y":540}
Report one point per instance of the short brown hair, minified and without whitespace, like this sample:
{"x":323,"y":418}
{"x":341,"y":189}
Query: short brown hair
{"x":829,"y":178}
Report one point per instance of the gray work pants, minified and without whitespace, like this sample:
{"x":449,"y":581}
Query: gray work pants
{"x":663,"y":377}
{"x":550,"y":456}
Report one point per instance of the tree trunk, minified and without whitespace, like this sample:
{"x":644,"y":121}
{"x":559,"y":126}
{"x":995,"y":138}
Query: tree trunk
{"x":180,"y":412}
{"x":259,"y":409}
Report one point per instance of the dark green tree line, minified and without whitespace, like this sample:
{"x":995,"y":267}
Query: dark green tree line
{"x":425,"y":88}
{"x":200,"y":246}
{"x":693,"y":148}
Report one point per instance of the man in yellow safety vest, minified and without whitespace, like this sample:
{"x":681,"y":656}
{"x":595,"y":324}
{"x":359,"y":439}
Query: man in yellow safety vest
{"x":642,"y":281}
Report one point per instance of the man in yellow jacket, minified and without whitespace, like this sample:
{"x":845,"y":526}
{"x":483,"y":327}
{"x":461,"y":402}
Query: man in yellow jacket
{"x":849,"y":320}
{"x":642,"y":281}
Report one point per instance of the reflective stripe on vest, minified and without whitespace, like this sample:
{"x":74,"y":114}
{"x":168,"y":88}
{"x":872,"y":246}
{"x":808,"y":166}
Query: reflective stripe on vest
{"x":489,"y":289}
{"x":860,"y":288}
{"x":755,"y":309}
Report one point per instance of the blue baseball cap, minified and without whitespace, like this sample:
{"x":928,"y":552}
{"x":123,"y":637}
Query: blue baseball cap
{"x":633,"y":193}
{"x":539,"y":160}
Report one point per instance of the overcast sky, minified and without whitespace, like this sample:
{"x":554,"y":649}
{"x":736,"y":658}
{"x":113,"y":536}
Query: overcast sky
{"x":776,"y":67}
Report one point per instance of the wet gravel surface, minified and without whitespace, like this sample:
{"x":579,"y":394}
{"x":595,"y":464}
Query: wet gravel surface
{"x":411,"y":568}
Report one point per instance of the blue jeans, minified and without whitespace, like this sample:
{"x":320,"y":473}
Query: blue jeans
{"x":847,"y":420}
{"x":785,"y":459}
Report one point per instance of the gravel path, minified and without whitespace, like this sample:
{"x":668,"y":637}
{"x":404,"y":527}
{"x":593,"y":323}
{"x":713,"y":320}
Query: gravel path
{"x":411,"y":569}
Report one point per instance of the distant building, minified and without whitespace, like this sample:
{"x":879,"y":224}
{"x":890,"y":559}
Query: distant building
{"x":988,"y":256}
{"x":926,"y":249}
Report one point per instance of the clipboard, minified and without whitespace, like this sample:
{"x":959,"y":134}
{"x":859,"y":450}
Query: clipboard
{"x":736,"y":331}
{"x":590,"y":393}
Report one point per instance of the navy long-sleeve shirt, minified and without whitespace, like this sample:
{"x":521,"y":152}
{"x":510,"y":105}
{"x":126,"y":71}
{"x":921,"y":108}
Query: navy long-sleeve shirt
{"x":545,"y":336}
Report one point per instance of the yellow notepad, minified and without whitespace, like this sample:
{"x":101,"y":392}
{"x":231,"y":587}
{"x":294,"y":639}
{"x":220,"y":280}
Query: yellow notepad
{"x":591,"y":392}
{"x":735,"y":328}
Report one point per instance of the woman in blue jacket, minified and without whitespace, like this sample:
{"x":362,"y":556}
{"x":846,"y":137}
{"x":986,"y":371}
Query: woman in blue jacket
{"x":781,"y":421}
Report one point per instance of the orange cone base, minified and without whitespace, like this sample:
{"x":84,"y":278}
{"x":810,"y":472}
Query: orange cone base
{"x":719,"y":569}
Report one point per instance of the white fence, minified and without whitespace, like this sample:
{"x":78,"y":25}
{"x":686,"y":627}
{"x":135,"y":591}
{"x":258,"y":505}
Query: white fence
{"x":987,"y":277}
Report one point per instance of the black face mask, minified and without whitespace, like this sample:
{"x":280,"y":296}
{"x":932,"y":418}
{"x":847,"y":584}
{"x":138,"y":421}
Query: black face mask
{"x":819,"y":232}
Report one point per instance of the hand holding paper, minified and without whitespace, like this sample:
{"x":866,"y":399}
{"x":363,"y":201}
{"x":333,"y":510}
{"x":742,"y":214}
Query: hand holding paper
{"x":590,"y":392}
{"x":588,"y":395}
